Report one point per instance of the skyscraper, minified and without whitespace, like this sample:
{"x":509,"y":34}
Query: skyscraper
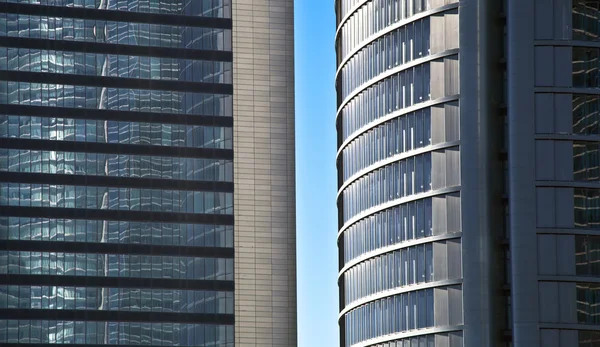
{"x":468,"y":172}
{"x":147,"y":173}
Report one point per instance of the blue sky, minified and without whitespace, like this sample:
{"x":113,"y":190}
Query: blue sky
{"x":316,"y":173}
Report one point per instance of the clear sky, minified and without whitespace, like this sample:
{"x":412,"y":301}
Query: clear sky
{"x":316,"y":173}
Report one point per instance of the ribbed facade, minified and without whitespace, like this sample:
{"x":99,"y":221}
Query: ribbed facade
{"x":468,"y":165}
{"x":399,"y":173}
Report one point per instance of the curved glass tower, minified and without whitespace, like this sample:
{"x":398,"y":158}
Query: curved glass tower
{"x":468,"y":173}
{"x":399,"y":172}
{"x":418,"y":226}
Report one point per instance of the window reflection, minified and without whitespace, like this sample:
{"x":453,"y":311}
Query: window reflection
{"x":371,"y":18}
{"x":109,"y":198}
{"x":380,"y":230}
{"x":115,"y":265}
{"x":401,"y":90}
{"x":398,"y":135}
{"x":398,"y":313}
{"x":586,"y":161}
{"x":116,"y":165}
{"x":398,"y":47}
{"x":404,"y":267}
{"x":586,"y":18}
{"x":588,"y":303}
{"x":123,"y":132}
{"x":589,"y":338}
{"x":418,"y":341}
{"x":116,"y":99}
{"x":585,"y":114}
{"x":108,"y":231}
{"x":112,"y":65}
{"x":587,"y":255}
{"x":210,"y":8}
{"x":391,"y":182}
{"x":585,"y":67}
{"x":115,"y":299}
{"x":587,"y":208}
{"x":122,"y":33}
{"x":115,"y":333}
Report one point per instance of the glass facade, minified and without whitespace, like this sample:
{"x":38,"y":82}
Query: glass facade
{"x":204,"y":8}
{"x":398,"y":211}
{"x":116,"y":173}
{"x":588,"y":338}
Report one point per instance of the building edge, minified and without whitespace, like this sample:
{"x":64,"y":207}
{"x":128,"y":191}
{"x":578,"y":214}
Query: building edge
{"x":264,"y":173}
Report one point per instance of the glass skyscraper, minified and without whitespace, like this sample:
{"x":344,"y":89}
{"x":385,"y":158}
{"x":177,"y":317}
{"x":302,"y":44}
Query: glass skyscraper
{"x":117,"y":173}
{"x":468,"y":173}
{"x":399,"y":173}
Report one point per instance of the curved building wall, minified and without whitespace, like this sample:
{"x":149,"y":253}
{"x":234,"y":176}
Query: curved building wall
{"x":399,"y":173}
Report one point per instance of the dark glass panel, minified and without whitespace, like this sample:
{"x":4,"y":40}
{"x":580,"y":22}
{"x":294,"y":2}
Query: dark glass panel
{"x":115,"y":333}
{"x":113,"y":265}
{"x":589,"y":338}
{"x":586,"y":16}
{"x":588,"y":303}
{"x":587,"y":255}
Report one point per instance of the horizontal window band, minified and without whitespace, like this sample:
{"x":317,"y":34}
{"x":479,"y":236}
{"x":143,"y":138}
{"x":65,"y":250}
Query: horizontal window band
{"x":4,"y":344}
{"x":115,"y":15}
{"x":121,"y":316}
{"x":111,"y":48}
{"x":115,"y":215}
{"x":115,"y":248}
{"x":116,"y":182}
{"x":117,"y":82}
{"x":115,"y":148}
{"x":115,"y":282}
{"x":114,"y":115}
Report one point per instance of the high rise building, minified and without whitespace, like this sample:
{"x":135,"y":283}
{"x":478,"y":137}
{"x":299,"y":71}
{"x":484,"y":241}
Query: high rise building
{"x":147,"y":173}
{"x":468,"y":172}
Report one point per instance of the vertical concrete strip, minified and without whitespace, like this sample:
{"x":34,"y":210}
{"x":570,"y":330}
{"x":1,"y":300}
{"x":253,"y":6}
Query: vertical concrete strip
{"x":264,"y":165}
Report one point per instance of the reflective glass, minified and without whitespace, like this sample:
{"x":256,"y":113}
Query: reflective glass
{"x":586,"y":161}
{"x":588,"y":299}
{"x":370,"y":233}
{"x":587,"y":255}
{"x":586,"y":114}
{"x":115,"y":333}
{"x":115,"y":265}
{"x":122,"y":33}
{"x":139,"y":61}
{"x":587,"y":208}
{"x":115,"y":165}
{"x":109,"y":198}
{"x":371,"y":18}
{"x":206,"y":8}
{"x":386,"y":184}
{"x":390,"y":271}
{"x":586,"y":20}
{"x":115,"y":299}
{"x":112,"y":65}
{"x":387,"y":140}
{"x":108,"y":131}
{"x":367,"y":321}
{"x":384,"y":54}
{"x":585,"y":67}
{"x":404,"y":89}
{"x":116,"y":99}
{"x":588,"y":338}
{"x":109,"y":231}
